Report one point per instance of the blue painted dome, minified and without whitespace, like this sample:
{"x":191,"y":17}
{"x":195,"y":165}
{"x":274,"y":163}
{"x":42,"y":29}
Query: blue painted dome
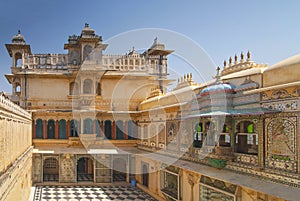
{"x":217,"y":88}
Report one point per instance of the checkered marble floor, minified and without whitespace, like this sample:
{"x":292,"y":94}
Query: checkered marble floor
{"x":90,"y":193}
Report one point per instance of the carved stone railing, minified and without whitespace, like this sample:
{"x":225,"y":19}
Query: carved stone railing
{"x":46,"y":61}
{"x":9,"y":106}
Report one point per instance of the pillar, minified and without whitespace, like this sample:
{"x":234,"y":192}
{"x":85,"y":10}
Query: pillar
{"x":56,"y":130}
{"x":45,"y":129}
{"x":101,"y":128}
{"x":125,"y":127}
{"x":260,"y":133}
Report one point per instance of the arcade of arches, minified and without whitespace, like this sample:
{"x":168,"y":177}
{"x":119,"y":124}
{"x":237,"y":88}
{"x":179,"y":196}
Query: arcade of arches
{"x":63,"y":129}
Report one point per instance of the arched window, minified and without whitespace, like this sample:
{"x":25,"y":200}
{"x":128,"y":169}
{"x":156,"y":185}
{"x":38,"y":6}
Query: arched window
{"x":120,"y":129}
{"x":246,"y":138}
{"x":210,"y":138}
{"x":98,"y":89}
{"x":51,"y":129}
{"x":131,"y":130}
{"x":107,"y":129}
{"x":73,"y":88}
{"x":74,"y":128}
{"x":18,"y":88}
{"x":224,"y":139}
{"x":198,"y":135}
{"x":62,"y":129}
{"x":39,"y":129}
{"x":98,"y":128}
{"x":86,"y":51}
{"x":18,"y":60}
{"x":88,"y":126}
{"x":87,"y":86}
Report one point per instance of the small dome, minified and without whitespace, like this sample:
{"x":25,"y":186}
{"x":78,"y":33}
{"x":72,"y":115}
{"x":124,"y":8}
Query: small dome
{"x":18,"y":39}
{"x":217,"y":88}
{"x":87,"y":32}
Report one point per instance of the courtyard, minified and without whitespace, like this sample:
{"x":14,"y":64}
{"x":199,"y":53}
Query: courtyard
{"x":89,"y":193}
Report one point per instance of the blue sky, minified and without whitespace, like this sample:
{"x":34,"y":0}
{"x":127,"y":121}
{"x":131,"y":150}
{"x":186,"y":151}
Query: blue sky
{"x":269,"y":29}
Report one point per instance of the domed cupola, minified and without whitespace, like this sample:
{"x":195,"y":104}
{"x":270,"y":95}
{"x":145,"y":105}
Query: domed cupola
{"x":217,"y":87}
{"x":87,"y":32}
{"x":18,"y":39}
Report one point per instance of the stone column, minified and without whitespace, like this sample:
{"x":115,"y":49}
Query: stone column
{"x":192,"y":179}
{"x":101,"y":128}
{"x":56,"y":130}
{"x":260,"y":133}
{"x":45,"y":134}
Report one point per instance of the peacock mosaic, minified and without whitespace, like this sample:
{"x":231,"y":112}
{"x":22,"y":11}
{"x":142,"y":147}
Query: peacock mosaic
{"x":281,"y":143}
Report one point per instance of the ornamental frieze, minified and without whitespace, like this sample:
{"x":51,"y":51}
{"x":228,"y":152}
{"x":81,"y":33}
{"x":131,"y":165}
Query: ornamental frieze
{"x":291,"y":105}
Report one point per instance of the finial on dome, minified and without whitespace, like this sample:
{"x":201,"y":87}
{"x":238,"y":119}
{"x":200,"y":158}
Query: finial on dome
{"x":86,"y":25}
{"x":218,"y":76}
{"x":19,"y":32}
{"x":225,"y":63}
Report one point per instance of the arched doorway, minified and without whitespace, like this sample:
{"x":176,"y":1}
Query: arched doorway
{"x":39,"y":129}
{"x":119,"y":170}
{"x":120,"y":129}
{"x":51,"y":170}
{"x":85,"y":169}
{"x":131,"y":130}
{"x":88,"y":126}
{"x":62,"y":129}
{"x":145,"y":176}
{"x":107,"y":129}
{"x":51,"y":129}
{"x":74,"y":128}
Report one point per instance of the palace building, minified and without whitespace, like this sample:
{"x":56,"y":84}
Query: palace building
{"x":101,"y":119}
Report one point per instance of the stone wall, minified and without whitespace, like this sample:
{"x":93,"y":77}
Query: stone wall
{"x":15,"y":152}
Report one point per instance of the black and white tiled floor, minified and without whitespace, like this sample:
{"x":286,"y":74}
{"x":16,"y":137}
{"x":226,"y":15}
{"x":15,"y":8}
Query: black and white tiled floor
{"x":90,"y":193}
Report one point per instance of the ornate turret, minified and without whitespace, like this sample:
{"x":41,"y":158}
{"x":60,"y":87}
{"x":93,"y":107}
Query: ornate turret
{"x":18,"y":39}
{"x":87,"y":35}
{"x":80,"y":47}
{"x":158,"y":52}
{"x":18,"y":49}
{"x":87,"y":32}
